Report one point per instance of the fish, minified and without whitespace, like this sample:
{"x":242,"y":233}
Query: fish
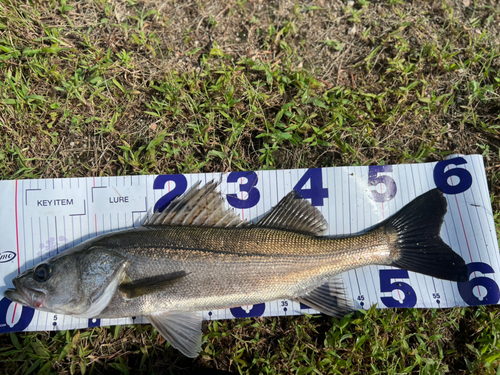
{"x":198,"y":255}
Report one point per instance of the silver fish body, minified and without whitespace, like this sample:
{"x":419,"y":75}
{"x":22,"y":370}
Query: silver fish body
{"x":228,"y":267}
{"x":197,"y":255}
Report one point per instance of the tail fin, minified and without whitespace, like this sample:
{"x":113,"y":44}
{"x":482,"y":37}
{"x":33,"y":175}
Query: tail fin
{"x":419,"y":246}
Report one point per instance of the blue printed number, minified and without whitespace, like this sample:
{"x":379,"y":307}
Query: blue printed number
{"x":94,"y":323}
{"x":442,"y":173}
{"x":256,"y":310}
{"x":316,"y":193}
{"x":466,"y":288}
{"x":161,"y":181}
{"x":23,"y":322}
{"x":249,"y":187}
{"x":386,"y":276}
{"x":374,"y":179}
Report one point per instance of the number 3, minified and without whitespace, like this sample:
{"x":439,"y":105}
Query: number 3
{"x":249,"y":187}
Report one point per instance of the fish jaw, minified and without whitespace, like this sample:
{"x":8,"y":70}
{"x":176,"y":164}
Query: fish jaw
{"x":25,"y":296}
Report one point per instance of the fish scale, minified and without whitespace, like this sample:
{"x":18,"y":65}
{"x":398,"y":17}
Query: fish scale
{"x":197,"y":255}
{"x":244,"y":265}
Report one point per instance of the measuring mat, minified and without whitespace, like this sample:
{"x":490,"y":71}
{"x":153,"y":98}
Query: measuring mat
{"x":40,"y":218}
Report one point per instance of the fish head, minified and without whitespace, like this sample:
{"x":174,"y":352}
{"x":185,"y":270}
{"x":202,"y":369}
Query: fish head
{"x":79,"y":282}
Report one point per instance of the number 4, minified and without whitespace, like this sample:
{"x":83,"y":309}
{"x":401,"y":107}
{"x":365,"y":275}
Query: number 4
{"x":316,"y":193}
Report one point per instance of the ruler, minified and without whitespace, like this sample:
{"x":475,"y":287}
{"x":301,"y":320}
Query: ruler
{"x":41,"y":218}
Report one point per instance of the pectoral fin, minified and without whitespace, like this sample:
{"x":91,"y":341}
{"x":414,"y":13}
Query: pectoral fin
{"x":181,"y":329}
{"x":330,"y":298}
{"x":150,"y":285}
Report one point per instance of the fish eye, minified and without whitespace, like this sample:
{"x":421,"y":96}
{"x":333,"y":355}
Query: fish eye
{"x":42,"y":272}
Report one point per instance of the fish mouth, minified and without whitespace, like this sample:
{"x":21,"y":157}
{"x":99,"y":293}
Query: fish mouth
{"x":25,"y":296}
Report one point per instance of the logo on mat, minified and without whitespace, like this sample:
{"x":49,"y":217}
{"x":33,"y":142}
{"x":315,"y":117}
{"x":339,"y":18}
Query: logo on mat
{"x":7,"y":256}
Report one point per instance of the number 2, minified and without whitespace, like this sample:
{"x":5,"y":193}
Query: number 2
{"x":180,"y":187}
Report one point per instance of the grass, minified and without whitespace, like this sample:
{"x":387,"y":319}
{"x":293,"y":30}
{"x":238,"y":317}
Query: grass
{"x":142,"y":87}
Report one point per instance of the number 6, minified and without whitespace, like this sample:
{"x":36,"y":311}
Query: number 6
{"x":492,"y":292}
{"x":441,"y":177}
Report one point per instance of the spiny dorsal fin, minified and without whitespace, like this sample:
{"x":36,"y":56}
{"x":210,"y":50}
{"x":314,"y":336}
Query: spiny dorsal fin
{"x":330,"y":298}
{"x":199,"y":206}
{"x":295,"y":214}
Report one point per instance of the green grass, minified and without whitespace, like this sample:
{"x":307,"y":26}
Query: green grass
{"x":460,"y":340}
{"x":142,"y":87}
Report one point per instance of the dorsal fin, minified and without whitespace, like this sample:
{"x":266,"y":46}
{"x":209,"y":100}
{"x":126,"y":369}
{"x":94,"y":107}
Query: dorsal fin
{"x":295,"y":214}
{"x":199,"y":206}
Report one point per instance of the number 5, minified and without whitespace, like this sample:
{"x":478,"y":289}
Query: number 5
{"x":374,"y":180}
{"x":410,"y":299}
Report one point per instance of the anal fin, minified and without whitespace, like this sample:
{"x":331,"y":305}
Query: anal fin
{"x":181,"y":329}
{"x":330,"y":298}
